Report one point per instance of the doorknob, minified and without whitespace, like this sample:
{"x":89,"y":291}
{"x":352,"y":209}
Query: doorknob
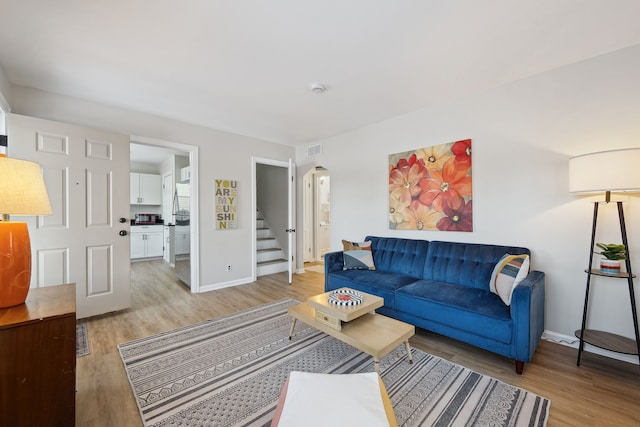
{"x":123,"y":232}
{"x":122,"y":220}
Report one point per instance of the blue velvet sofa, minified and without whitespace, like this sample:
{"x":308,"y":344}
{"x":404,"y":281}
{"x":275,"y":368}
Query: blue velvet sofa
{"x":444,"y":287}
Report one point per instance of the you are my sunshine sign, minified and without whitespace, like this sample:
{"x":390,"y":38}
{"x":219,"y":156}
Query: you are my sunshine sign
{"x":226,"y":195}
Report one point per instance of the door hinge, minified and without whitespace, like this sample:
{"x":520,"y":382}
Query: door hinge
{"x":290,"y":230}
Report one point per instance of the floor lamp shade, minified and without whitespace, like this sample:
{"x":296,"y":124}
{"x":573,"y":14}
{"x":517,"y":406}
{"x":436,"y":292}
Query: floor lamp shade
{"x":22,"y":192}
{"x":613,"y":171}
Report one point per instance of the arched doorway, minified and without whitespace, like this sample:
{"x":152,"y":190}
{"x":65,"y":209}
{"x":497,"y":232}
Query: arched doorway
{"x":317,"y":214}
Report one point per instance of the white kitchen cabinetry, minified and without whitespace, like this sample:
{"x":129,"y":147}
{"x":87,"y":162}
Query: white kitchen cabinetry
{"x":146,"y":241}
{"x":146,"y":189}
{"x":182,"y":240}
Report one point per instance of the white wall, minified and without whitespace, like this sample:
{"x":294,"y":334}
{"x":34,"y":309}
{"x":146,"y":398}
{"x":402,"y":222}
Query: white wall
{"x":523,"y":136}
{"x":221,"y":155}
{"x":5,"y":91}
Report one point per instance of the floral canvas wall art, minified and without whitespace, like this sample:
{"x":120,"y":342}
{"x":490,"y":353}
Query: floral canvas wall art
{"x":430,"y":188}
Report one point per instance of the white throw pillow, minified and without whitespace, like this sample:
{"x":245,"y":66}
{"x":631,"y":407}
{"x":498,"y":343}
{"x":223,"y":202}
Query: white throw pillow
{"x":507,"y":274}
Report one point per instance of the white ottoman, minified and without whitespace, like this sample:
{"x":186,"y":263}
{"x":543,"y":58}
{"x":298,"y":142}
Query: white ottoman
{"x":310,"y":400}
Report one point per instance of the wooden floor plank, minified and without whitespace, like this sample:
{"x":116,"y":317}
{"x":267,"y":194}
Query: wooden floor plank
{"x":601,"y":392}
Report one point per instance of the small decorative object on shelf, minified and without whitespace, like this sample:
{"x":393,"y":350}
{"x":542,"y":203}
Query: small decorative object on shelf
{"x":613,"y":255}
{"x":345,"y":297}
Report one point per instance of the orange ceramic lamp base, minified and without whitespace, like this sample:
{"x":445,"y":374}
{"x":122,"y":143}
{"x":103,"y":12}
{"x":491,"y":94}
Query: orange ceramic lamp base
{"x":15,"y":263}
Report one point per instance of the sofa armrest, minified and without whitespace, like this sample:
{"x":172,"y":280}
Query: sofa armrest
{"x":527,"y":313}
{"x":333,"y":261}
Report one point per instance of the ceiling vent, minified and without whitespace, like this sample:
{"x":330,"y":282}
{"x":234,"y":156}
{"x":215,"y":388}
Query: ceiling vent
{"x":314,"y":150}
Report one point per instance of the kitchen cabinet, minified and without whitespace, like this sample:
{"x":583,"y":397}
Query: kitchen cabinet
{"x":146,"y":189}
{"x":147,"y":241}
{"x":182,"y":240}
{"x":38,"y":359}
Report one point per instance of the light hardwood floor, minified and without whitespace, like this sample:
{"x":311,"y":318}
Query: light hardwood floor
{"x":601,"y":392}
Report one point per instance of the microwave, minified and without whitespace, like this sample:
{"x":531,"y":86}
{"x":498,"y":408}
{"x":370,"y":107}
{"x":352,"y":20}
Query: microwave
{"x":143,"y":218}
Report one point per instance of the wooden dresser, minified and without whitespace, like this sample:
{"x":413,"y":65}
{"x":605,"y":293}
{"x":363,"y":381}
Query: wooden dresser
{"x":38,"y":359}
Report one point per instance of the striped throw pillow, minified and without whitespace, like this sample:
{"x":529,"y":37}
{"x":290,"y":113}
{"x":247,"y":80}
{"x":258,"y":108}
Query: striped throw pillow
{"x":357,"y":256}
{"x":507,"y":274}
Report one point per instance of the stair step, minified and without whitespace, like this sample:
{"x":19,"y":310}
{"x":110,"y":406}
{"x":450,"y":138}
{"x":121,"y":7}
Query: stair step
{"x":269,"y":254}
{"x":273,"y":261}
{"x":264,"y":233}
{"x":272,"y":267}
{"x":269,"y":259}
{"x":266,"y":243}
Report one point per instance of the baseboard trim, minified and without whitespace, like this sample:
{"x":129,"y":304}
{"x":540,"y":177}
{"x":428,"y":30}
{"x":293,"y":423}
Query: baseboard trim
{"x":228,"y":284}
{"x":572,"y":341}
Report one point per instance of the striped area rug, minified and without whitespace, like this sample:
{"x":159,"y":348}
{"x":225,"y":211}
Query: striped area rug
{"x":230,"y":371}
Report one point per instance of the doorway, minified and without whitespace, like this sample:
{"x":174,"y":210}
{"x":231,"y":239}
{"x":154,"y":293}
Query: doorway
{"x":273,"y":215}
{"x":176,"y":163}
{"x":316,"y":214}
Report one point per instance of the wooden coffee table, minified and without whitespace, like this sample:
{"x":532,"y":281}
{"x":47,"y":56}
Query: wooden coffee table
{"x":359,"y":325}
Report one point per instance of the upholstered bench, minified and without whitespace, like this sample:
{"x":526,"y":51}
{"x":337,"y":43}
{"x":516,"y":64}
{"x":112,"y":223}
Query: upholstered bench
{"x":310,"y":400}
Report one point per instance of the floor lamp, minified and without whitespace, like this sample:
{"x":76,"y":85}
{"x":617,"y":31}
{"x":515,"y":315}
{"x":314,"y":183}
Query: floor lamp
{"x":603,"y":173}
{"x":22,"y":192}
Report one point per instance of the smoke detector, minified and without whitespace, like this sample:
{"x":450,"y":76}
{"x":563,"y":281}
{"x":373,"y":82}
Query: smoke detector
{"x":318,"y":88}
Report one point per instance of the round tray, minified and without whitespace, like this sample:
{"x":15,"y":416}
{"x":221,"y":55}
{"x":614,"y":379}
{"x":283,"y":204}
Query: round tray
{"x":345,"y":297}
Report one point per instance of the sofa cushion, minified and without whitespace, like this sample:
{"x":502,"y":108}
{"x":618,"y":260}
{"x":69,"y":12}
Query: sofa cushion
{"x":403,"y":256}
{"x":357,"y":256}
{"x":468,"y":264}
{"x":507,"y":274}
{"x":469,"y":309}
{"x":372,"y":282}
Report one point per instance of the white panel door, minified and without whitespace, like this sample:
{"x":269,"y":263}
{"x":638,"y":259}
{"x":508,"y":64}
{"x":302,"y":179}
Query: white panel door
{"x":291,"y":219}
{"x":86,"y":172}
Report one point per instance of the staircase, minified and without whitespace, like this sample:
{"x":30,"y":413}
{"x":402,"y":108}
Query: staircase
{"x":270,"y":257}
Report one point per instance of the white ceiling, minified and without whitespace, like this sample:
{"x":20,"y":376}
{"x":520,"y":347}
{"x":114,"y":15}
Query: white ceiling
{"x":246,"y":66}
{"x":142,"y":153}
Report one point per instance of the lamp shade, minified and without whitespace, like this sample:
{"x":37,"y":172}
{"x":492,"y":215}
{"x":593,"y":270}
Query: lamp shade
{"x":22,"y":189}
{"x":22,"y":192}
{"x":615,"y":171}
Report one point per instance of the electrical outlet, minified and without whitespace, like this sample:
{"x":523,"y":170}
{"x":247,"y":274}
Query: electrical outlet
{"x":228,"y":267}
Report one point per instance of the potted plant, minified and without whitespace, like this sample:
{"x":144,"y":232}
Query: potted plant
{"x":612,"y":254}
